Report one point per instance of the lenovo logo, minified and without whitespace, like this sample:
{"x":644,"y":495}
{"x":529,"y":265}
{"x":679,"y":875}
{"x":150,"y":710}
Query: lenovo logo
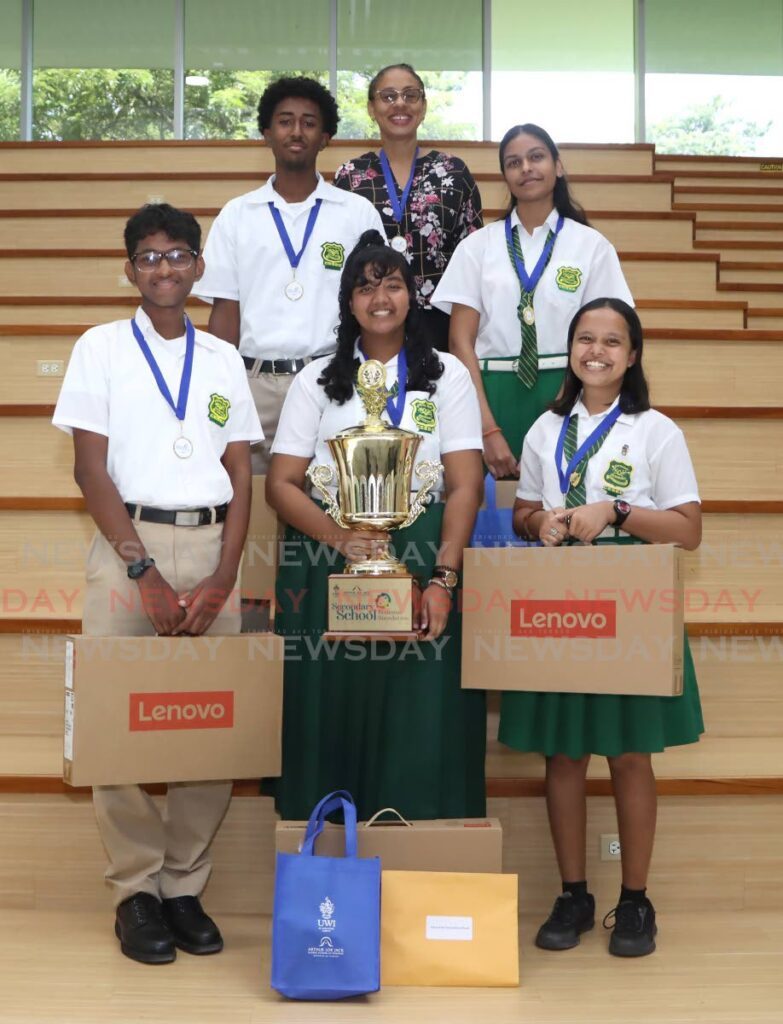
{"x":197,"y":710}
{"x":563,"y":618}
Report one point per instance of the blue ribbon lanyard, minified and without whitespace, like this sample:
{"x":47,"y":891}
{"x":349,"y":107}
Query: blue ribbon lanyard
{"x":397,"y":203}
{"x":180,"y":408}
{"x":529,"y":282}
{"x":395,"y":407}
{"x":294,"y":258}
{"x":600,"y":431}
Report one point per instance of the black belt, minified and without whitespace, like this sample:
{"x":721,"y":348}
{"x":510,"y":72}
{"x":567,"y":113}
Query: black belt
{"x":281,"y":366}
{"x":177,"y":517}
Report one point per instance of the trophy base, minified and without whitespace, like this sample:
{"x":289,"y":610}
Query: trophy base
{"x":371,"y":607}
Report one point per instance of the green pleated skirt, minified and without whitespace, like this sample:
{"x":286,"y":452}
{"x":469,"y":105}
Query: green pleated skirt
{"x":515,"y":407}
{"x":576,"y":724}
{"x":386,"y":721}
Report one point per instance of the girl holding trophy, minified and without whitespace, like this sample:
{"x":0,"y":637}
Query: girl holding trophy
{"x":385,"y":720}
{"x":513,"y":287}
{"x":603,"y":467}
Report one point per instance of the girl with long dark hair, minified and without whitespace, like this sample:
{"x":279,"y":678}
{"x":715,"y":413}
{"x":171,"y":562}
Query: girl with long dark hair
{"x":386,"y":721}
{"x":633,"y":484}
{"x":513,"y":287}
{"x":428,"y":200}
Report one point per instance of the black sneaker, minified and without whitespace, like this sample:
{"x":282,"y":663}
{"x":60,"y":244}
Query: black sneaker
{"x":571,"y":915}
{"x":634,"y":930}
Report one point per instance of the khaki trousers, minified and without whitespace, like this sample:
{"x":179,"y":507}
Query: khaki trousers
{"x":165,"y":854}
{"x":268,"y":391}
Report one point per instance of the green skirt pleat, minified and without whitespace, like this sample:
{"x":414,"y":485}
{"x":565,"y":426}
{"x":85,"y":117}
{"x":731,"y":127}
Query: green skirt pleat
{"x":386,"y":721}
{"x":576,"y":724}
{"x":516,"y":408}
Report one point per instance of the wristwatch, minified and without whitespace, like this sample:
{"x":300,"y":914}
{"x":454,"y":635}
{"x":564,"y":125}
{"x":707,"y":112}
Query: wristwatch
{"x":137,"y":569}
{"x":621,"y":511}
{"x":448,"y":575}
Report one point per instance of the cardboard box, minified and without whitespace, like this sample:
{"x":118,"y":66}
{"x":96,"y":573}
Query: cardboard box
{"x":259,"y":561}
{"x":579,"y":619}
{"x":444,"y":844}
{"x":172,"y":709}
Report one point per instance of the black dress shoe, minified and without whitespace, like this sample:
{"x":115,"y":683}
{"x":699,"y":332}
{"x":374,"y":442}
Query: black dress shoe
{"x":143,"y":934}
{"x":571,"y":915}
{"x":193,"y":930}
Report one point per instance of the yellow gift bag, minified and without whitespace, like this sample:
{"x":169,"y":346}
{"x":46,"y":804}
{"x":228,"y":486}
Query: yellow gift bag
{"x":449,"y":928}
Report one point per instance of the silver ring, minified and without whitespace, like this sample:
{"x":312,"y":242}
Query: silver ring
{"x":553,"y":531}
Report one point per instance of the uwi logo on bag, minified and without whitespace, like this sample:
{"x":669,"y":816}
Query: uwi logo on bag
{"x":326,"y":922}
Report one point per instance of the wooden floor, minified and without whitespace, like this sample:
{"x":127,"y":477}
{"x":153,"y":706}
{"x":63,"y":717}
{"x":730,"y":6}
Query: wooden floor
{"x":717,"y":968}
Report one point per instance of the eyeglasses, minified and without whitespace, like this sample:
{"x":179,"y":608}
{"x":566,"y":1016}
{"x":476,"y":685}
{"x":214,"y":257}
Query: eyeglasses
{"x":177,"y":259}
{"x":410,"y":96}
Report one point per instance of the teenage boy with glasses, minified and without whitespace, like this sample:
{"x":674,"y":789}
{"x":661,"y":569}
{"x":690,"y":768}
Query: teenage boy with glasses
{"x":162,"y":422}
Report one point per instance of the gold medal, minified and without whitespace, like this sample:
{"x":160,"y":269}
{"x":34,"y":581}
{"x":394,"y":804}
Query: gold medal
{"x":529,"y":316}
{"x":575,"y":478}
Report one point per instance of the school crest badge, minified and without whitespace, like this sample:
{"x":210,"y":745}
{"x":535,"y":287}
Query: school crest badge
{"x":568,"y":279}
{"x":617,"y":477}
{"x":218,"y":409}
{"x":423,"y":411}
{"x":333,"y":255}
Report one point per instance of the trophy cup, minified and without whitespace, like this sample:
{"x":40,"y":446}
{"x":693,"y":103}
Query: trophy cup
{"x":373,"y":597}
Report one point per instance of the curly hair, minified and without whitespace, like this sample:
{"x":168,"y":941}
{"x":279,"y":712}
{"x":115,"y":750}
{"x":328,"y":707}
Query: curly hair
{"x":179,"y":225}
{"x":372,"y":260}
{"x":299,"y":87}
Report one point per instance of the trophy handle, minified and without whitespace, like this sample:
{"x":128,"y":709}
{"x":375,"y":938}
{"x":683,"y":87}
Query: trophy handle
{"x":319,"y":477}
{"x":428,"y":472}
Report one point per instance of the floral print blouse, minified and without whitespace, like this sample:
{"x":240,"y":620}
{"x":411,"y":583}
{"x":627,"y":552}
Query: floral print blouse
{"x":443,"y":207}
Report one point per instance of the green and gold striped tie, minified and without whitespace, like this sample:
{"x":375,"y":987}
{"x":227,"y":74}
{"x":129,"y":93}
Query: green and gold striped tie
{"x":577,"y":492}
{"x":527,"y":364}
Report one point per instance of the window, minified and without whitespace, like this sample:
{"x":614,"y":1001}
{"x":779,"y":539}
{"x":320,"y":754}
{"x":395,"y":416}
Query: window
{"x":441,"y":39}
{"x":10,"y":59}
{"x":103,"y":71}
{"x":231,"y":56}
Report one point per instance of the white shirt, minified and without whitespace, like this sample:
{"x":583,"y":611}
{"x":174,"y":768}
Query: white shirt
{"x":109,"y":389}
{"x":245,"y":261}
{"x":583,"y":266}
{"x":447,"y":421}
{"x":645,"y":456}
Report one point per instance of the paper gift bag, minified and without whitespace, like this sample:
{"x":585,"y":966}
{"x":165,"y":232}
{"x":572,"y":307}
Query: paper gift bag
{"x":449,"y":928}
{"x":325,"y":923}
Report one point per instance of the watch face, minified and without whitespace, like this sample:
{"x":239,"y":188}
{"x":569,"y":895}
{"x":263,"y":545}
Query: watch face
{"x":623,"y":507}
{"x":450,"y":578}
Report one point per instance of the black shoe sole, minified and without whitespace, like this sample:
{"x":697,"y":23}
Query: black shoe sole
{"x":571,"y":945}
{"x":630,"y":952}
{"x":144,"y":958}
{"x":187,"y":947}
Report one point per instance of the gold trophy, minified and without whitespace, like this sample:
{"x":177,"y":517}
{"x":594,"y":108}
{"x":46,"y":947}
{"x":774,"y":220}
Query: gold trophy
{"x":373,"y":597}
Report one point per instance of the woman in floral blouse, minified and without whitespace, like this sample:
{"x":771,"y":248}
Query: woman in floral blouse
{"x":428,"y":201}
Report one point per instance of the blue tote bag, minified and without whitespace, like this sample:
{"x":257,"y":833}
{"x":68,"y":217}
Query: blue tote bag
{"x":326,"y":920}
{"x":493,"y":527}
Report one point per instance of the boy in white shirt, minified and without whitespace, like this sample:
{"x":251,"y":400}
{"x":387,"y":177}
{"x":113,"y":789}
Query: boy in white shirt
{"x":162,"y":421}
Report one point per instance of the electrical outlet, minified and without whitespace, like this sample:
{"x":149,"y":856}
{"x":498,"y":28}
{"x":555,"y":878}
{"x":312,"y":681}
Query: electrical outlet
{"x":123,"y":282}
{"x":155,"y":199}
{"x":50,"y":367}
{"x":610,"y":847}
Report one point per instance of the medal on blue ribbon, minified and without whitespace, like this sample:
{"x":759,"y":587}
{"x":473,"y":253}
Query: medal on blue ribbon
{"x":527,"y":281}
{"x":183,"y":447}
{"x":395,"y":405}
{"x":294,"y":290}
{"x":569,"y":476}
{"x":398,"y":203}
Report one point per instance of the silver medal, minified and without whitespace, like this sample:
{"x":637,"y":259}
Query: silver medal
{"x":399,"y":244}
{"x":183,"y":448}
{"x":294,"y":291}
{"x":529,"y":316}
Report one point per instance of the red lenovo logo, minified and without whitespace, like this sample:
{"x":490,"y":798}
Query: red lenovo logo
{"x":563,"y":618}
{"x":196,"y":710}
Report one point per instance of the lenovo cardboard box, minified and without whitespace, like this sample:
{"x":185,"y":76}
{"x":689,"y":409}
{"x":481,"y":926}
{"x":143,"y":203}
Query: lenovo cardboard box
{"x":259,"y":561}
{"x":443,"y":844}
{"x":580,"y":619}
{"x":172,"y":709}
